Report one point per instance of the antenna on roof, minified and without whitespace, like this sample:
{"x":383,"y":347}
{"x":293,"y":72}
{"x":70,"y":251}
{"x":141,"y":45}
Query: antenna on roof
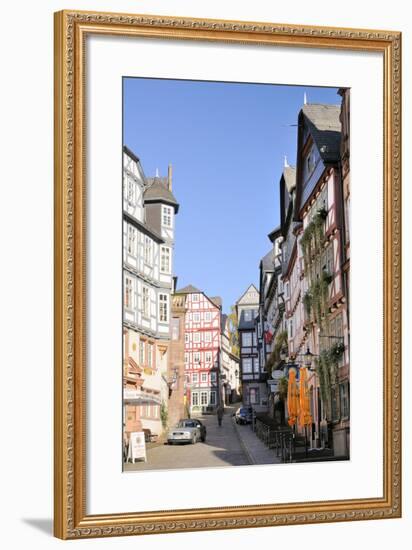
{"x":285,"y":162}
{"x":157,"y":172}
{"x":305,"y":99}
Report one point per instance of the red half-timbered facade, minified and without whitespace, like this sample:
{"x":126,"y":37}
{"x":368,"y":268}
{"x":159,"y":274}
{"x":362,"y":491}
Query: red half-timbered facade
{"x":202,"y":350}
{"x":319,"y":273}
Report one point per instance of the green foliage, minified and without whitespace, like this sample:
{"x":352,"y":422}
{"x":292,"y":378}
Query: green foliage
{"x":233,"y":331}
{"x":307,"y":302}
{"x":315,"y":300}
{"x":327,"y":369}
{"x":283,"y":388}
{"x":164,"y":414}
{"x":281,"y":340}
{"x":313,"y":238}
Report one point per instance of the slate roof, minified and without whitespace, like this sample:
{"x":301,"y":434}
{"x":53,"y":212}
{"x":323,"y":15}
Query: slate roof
{"x":267,"y":262}
{"x":217,"y":300}
{"x":325,"y":128}
{"x":145,"y":227}
{"x":189,"y":289}
{"x":158,"y":190}
{"x":275,"y":233}
{"x":289,"y":173}
{"x":245,"y":325}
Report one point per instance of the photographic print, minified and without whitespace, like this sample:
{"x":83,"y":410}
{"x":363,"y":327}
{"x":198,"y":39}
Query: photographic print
{"x":203,"y":212}
{"x":236,"y":272}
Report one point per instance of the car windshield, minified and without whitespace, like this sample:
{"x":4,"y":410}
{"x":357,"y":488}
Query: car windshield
{"x":187,"y":424}
{"x":244,"y":411}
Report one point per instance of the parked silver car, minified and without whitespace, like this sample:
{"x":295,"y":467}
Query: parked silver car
{"x":187,"y":431}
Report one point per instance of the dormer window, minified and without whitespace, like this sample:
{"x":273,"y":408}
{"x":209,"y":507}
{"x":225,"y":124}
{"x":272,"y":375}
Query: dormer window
{"x":167,"y":216}
{"x":310,"y":161}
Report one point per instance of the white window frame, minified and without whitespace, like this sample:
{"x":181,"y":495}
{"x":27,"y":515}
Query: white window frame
{"x":212,"y":401}
{"x":165,"y":259}
{"x":163,"y":308}
{"x":131,"y":239}
{"x":148,"y":250}
{"x":195,"y":297}
{"x":248,"y":314}
{"x":142,"y":352}
{"x":202,"y":394}
{"x":131,"y":191}
{"x":203,"y":377}
{"x":208,"y":337}
{"x":208,"y":357}
{"x":196,"y":316}
{"x":128,"y":292}
{"x":208,"y":316}
{"x":186,"y":337}
{"x":167,"y":216}
{"x":244,"y":336}
{"x":195,"y":377}
{"x":249,"y":370}
{"x":196,"y":355}
{"x":145,"y":301}
{"x":196,"y":337}
{"x":149,"y":350}
{"x":195,"y":399}
{"x":256,"y":364}
{"x":213,"y":377}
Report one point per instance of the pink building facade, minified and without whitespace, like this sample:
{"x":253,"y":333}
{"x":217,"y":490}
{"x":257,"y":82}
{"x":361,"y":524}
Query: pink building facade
{"x":202,"y":351}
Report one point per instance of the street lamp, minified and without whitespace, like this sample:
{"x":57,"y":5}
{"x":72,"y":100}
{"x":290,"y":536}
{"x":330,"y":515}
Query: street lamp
{"x":308,"y":357}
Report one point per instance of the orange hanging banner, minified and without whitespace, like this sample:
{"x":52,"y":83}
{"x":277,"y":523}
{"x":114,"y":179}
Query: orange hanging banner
{"x":305,"y":417}
{"x":293,"y":398}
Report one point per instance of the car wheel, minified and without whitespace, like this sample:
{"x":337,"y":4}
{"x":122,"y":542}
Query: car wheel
{"x":194,"y":440}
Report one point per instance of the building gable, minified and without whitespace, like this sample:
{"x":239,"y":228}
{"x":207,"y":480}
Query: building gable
{"x":250,"y":297}
{"x":318,"y":147}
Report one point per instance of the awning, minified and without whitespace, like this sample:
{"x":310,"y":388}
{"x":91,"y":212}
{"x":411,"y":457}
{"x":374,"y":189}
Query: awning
{"x":134,"y":397}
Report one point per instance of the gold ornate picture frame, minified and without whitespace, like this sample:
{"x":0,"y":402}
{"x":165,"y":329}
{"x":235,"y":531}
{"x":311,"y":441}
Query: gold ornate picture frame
{"x":70,"y":518}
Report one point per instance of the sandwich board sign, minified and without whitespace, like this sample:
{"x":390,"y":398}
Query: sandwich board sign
{"x":137,"y":447}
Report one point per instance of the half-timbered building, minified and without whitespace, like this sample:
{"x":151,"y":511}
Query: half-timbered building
{"x":321,"y":256}
{"x":229,"y":366}
{"x":202,"y":350}
{"x":149,"y":208}
{"x":253,"y":376}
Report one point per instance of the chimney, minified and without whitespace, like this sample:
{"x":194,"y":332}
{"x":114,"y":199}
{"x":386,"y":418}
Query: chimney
{"x":169,"y":176}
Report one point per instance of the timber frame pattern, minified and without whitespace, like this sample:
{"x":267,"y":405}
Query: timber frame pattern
{"x":71,"y":521}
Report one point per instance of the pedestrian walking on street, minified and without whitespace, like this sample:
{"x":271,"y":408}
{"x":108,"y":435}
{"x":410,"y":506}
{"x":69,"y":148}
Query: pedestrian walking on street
{"x":220,"y":412}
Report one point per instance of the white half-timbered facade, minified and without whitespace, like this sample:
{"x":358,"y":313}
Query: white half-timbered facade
{"x":149,"y":208}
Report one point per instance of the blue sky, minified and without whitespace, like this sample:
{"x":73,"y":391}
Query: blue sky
{"x":226,"y":142}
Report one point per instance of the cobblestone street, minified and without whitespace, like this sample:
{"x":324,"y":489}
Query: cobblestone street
{"x":223,"y":447}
